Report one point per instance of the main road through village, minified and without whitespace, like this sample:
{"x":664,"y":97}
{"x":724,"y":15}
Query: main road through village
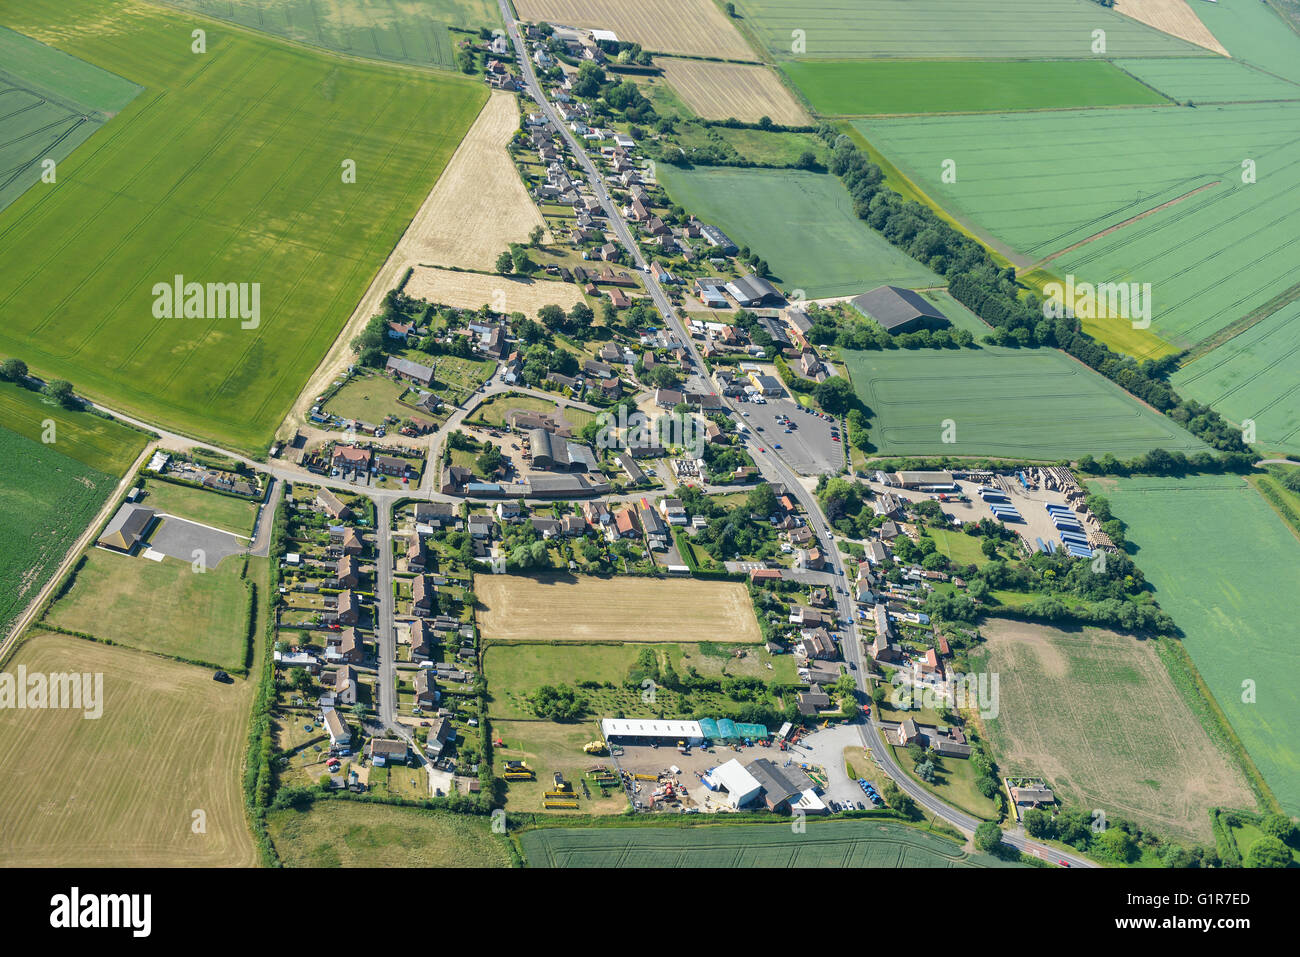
{"x":774,"y":470}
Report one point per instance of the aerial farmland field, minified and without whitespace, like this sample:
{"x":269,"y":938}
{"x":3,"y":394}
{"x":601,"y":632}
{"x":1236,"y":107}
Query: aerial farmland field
{"x":1035,"y":181}
{"x":825,"y":844}
{"x":690,"y":27}
{"x":1211,"y":80}
{"x":915,"y":29}
{"x":403,"y":31}
{"x":46,"y":501}
{"x":583,"y":608}
{"x":1253,"y":377}
{"x":1032,"y":403}
{"x":470,"y":290}
{"x":859,"y":87}
{"x":164,"y":607}
{"x":719,"y":91}
{"x":1227,"y":569}
{"x":801,"y":223}
{"x":348,"y":834}
{"x":227,"y":169}
{"x":50,"y":103}
{"x":121,"y":791}
{"x":1069,"y":705}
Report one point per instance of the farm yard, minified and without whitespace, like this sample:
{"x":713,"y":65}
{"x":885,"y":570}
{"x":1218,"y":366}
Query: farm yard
{"x":720,"y":91}
{"x":402,"y":32}
{"x":547,"y":747}
{"x":1248,"y":378}
{"x":349,"y":834}
{"x":801,"y":223}
{"x":1096,"y":714}
{"x":479,"y":205}
{"x":259,"y":200}
{"x":858,"y":87}
{"x":689,"y":27}
{"x":1202,"y":542}
{"x":1031,"y":403}
{"x":121,"y":791}
{"x":471,"y":290}
{"x":583,"y":608}
{"x":164,"y":607}
{"x":839,"y":844}
{"x":50,"y":103}
{"x":1218,"y":225}
{"x":939,"y":29}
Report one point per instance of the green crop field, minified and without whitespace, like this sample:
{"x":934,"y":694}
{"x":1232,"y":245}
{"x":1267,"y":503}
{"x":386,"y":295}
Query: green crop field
{"x":395,"y":30}
{"x":348,"y":834}
{"x":165,"y":607}
{"x":1038,"y":182}
{"x":912,"y":29}
{"x":46,"y":500}
{"x":227,"y":169}
{"x":1254,"y":34}
{"x":1252,"y":377}
{"x":103,"y":444}
{"x":849,"y":87}
{"x":1211,"y":80}
{"x":1035,"y":403}
{"x":801,"y":223}
{"x":841,"y":844}
{"x":50,"y":103}
{"x":1227,"y":569}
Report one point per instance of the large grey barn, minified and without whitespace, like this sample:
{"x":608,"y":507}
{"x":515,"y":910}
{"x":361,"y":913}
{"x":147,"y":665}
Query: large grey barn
{"x":899,"y":310}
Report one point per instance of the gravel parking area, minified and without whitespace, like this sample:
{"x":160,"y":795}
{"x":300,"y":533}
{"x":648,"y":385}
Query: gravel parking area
{"x":179,"y":538}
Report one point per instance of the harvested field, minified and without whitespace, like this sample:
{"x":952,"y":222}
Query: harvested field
{"x":470,"y":290}
{"x":120,"y":791}
{"x":720,"y":91}
{"x":348,"y":834}
{"x":479,"y":186}
{"x":1173,"y":17}
{"x":692,"y":27}
{"x":837,"y":844}
{"x":582,"y":608}
{"x":1097,"y":714}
